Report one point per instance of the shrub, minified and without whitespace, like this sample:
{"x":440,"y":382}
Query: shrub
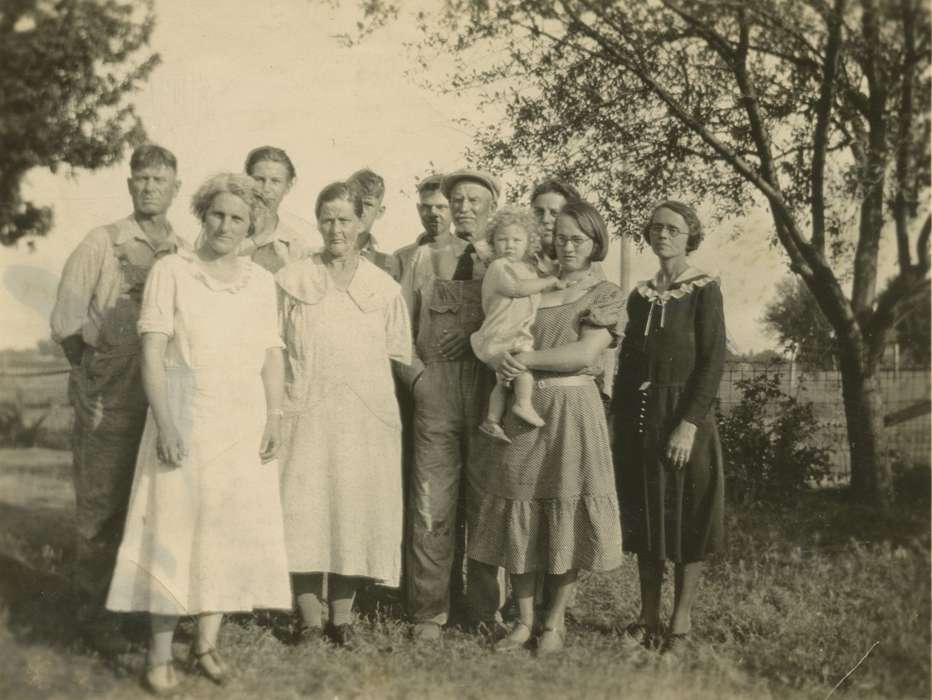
{"x":15,"y":430}
{"x":767,"y":443}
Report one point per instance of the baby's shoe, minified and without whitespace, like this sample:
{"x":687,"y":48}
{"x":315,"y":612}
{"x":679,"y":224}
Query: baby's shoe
{"x":527,"y":413}
{"x":493,"y":430}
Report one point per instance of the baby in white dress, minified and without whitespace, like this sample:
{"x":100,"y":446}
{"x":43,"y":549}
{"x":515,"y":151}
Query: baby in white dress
{"x":511,"y":292}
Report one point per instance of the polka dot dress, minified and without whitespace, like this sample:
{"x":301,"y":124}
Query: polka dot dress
{"x":547,"y":502}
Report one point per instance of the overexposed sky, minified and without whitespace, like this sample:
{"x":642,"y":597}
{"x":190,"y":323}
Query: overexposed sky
{"x":238,"y":75}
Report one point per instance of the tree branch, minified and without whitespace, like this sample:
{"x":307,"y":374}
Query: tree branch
{"x":901,"y":203}
{"x":864,"y":287}
{"x":823,"y":121}
{"x":922,"y":247}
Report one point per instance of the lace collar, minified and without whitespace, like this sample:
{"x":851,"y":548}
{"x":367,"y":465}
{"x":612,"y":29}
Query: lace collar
{"x":685,"y":283}
{"x":244,"y":273}
{"x":308,"y":281}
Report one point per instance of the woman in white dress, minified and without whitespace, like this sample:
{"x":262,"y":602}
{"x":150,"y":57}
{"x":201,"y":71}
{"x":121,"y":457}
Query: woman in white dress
{"x":204,"y":532}
{"x":343,"y":320}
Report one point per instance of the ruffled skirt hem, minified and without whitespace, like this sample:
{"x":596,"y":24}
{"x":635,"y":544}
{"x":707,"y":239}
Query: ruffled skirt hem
{"x":545,"y":535}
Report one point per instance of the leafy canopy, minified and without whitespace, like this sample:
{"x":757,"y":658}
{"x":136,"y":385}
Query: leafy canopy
{"x":67,"y":69}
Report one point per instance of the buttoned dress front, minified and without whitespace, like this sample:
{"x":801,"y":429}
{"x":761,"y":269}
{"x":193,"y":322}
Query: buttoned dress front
{"x":206,"y":536}
{"x":670,"y":366}
{"x":341,"y":461}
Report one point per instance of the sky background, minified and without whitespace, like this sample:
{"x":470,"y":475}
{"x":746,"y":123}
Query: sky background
{"x":239,"y":75}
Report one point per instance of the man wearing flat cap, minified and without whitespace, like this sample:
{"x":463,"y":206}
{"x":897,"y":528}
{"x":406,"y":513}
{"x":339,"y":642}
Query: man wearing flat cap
{"x":442,"y":285}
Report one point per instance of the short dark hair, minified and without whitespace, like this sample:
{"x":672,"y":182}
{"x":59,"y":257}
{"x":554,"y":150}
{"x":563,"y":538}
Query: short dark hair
{"x":369,"y":183}
{"x":556,"y":186}
{"x":339,"y":190}
{"x":592,"y":224}
{"x":149,"y":154}
{"x":276,"y":155}
{"x":688,"y":212}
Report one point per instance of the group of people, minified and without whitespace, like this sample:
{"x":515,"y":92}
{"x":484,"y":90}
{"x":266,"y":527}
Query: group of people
{"x":267,"y":418}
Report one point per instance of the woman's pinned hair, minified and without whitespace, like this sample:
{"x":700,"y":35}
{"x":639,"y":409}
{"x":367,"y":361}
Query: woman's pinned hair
{"x":237,"y":184}
{"x":688,"y":212}
{"x":591,"y":223}
{"x":336,"y":191}
{"x":554,"y":185}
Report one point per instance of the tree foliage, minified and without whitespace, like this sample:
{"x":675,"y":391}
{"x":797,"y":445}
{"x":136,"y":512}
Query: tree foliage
{"x":67,"y":68}
{"x":796,"y":321}
{"x":816,"y":108}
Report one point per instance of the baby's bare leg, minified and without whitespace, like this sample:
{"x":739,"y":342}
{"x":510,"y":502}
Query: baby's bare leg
{"x":523,"y":386}
{"x":492,"y":425}
{"x":497,"y":401}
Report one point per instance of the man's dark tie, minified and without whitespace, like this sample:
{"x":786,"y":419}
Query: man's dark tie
{"x":464,"y":266}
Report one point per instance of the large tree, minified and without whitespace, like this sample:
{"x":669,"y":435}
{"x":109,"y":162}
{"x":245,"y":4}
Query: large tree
{"x":816,"y":109}
{"x":67,"y":68}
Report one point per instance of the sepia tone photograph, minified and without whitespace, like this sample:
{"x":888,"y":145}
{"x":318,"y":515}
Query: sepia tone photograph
{"x":465,"y":349}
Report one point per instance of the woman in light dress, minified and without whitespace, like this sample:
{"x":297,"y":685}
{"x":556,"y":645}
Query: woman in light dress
{"x":344,"y":321}
{"x":204,"y":531}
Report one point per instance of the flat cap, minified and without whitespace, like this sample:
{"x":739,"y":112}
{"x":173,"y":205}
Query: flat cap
{"x":478,"y":176}
{"x":431,"y":181}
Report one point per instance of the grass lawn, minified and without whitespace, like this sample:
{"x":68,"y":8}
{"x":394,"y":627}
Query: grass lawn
{"x":800,"y":596}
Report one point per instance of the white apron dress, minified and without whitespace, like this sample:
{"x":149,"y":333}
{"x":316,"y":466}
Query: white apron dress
{"x":341,"y":460}
{"x":206,"y":536}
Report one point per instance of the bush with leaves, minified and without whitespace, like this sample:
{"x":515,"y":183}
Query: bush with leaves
{"x":768,"y":443}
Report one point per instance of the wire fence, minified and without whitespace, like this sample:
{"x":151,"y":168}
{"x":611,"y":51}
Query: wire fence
{"x":906,"y":403}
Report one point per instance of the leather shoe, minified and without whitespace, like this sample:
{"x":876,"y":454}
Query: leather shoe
{"x":674,"y":642}
{"x":161,"y":684}
{"x":426,"y":632}
{"x":209,"y":664}
{"x":341,"y":635}
{"x":649,"y":637}
{"x":515,"y":640}
{"x":550,"y":641}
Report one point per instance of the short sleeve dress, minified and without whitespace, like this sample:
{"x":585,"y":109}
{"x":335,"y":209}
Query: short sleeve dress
{"x":206,"y":536}
{"x":670,"y":366}
{"x":341,"y":459}
{"x":546,"y":502}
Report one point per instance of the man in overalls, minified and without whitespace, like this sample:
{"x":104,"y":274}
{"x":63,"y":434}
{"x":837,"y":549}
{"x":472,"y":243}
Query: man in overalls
{"x":94,"y":320}
{"x":442,"y":285}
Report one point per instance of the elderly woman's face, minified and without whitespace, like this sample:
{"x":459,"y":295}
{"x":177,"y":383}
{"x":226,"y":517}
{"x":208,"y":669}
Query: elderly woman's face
{"x":668,"y":234}
{"x":226,"y":223}
{"x":339,"y":225}
{"x":574,"y":247}
{"x":273,"y":179}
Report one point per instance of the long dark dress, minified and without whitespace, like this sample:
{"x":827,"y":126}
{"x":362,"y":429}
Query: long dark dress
{"x":546,"y":502}
{"x":670,"y":366}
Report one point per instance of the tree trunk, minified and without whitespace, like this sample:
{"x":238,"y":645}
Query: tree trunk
{"x":871,"y":478}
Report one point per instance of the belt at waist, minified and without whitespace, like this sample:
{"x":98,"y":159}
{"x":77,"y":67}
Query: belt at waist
{"x":572,"y":380}
{"x":432,"y":357}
